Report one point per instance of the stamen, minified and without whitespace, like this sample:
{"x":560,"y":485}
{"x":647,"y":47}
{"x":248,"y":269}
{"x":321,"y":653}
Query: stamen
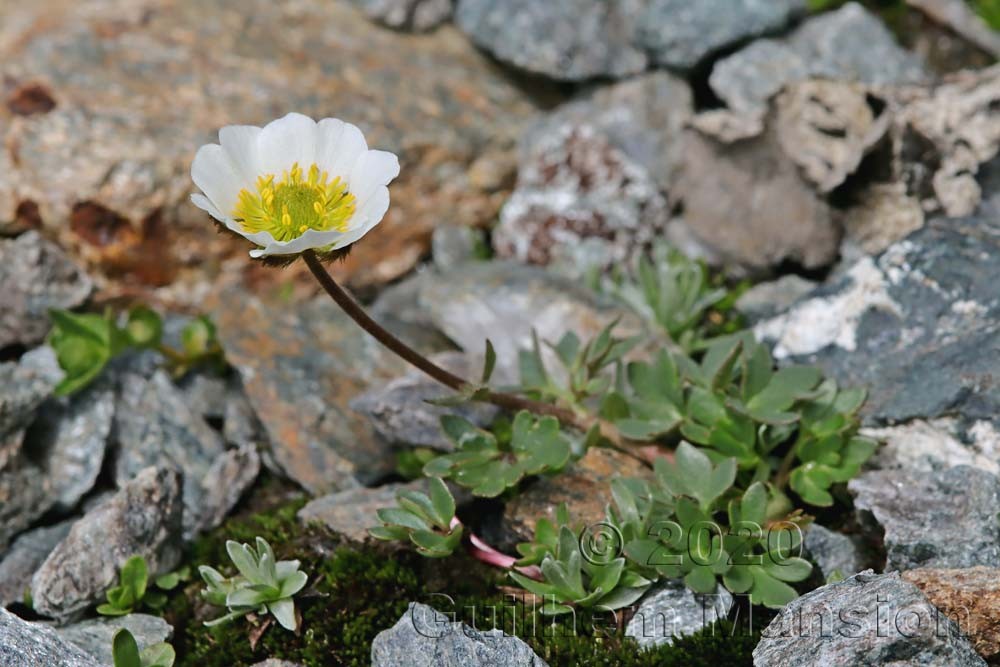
{"x":289,"y":207}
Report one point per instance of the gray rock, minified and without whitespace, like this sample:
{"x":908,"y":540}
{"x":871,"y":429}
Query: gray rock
{"x":351,"y":513}
{"x":23,"y":388}
{"x":570,"y":40}
{"x":415,"y":15}
{"x":681,"y":34}
{"x":767,"y":299}
{"x":833,"y":553}
{"x":928,"y":445}
{"x":24,"y":644}
{"x":300,"y":366}
{"x":155,"y":427}
{"x":402,"y":415}
{"x":591,"y":175}
{"x":24,"y":557}
{"x":25,"y":495}
{"x":424,"y":637}
{"x":452,"y":245}
{"x":781,"y":216}
{"x":944,"y":519}
{"x":143,"y":518}
{"x":868,"y":619}
{"x":69,"y":438}
{"x":36,"y":276}
{"x":504,"y":301}
{"x":228,"y":478}
{"x":910,"y":325}
{"x":849,"y":44}
{"x":671,"y":609}
{"x":207,"y":395}
{"x":94,"y":636}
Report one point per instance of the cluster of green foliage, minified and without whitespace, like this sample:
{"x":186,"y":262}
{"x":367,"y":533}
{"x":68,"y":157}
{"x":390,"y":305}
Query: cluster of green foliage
{"x":264,"y":584}
{"x":754,"y":447}
{"x":85,"y":343}
{"x":125,"y":652}
{"x":133,"y":592}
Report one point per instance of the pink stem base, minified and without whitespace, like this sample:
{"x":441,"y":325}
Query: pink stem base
{"x":487,"y":554}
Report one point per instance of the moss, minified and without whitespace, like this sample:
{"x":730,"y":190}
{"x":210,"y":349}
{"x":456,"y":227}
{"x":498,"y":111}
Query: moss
{"x":356,"y":592}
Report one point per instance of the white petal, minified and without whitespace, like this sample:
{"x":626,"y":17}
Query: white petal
{"x":286,"y":141}
{"x":369,"y":216}
{"x":203,"y":202}
{"x":240,"y":144}
{"x":215,"y":175}
{"x":310,"y":239}
{"x":340,"y":146}
{"x":373,"y":169}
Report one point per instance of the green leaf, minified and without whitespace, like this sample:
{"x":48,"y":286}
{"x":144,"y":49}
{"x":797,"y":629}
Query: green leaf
{"x":144,"y":327}
{"x":567,"y":348}
{"x":788,"y":569}
{"x":490,"y":362}
{"x":442,"y":501}
{"x":392,"y":516}
{"x":158,"y":655}
{"x":244,"y":561}
{"x":769,"y":591}
{"x":532,"y":367}
{"x":111,"y":610}
{"x":134,"y":576}
{"x":198,"y":337}
{"x":284,"y":611}
{"x":124,"y":650}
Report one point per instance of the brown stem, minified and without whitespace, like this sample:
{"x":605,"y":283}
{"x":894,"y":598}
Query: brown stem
{"x":445,"y":377}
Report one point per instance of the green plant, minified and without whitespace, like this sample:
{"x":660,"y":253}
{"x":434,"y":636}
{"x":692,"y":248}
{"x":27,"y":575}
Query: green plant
{"x":670,"y":290}
{"x":85,"y":343}
{"x":572,"y":580}
{"x":489,"y":463}
{"x":425,"y":520}
{"x":125,"y":652}
{"x":263,"y":584}
{"x":133,"y":591}
{"x":586,"y":367}
{"x":989,"y":11}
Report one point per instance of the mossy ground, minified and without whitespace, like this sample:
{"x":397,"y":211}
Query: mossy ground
{"x":356,"y":591}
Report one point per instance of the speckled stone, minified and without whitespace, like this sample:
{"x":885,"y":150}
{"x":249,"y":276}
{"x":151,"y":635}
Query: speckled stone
{"x":301,"y":366}
{"x":143,"y":518}
{"x":24,"y":644}
{"x":681,"y":34}
{"x":833,"y":552}
{"x":911,"y":325}
{"x":849,"y":44}
{"x":36,"y":276}
{"x":671,"y":609}
{"x":155,"y":427}
{"x":25,"y":555}
{"x":570,"y":40}
{"x":942,"y":519}
{"x":424,"y":637}
{"x":595,"y":176}
{"x":867,"y":619}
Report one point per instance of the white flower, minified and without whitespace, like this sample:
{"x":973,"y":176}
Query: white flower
{"x":294,"y":184}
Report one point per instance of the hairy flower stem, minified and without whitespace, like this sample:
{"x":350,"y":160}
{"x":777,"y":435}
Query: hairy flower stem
{"x":447,"y":378}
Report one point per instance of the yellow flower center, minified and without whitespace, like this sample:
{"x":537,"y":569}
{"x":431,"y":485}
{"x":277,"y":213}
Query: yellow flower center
{"x":293,"y":205}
